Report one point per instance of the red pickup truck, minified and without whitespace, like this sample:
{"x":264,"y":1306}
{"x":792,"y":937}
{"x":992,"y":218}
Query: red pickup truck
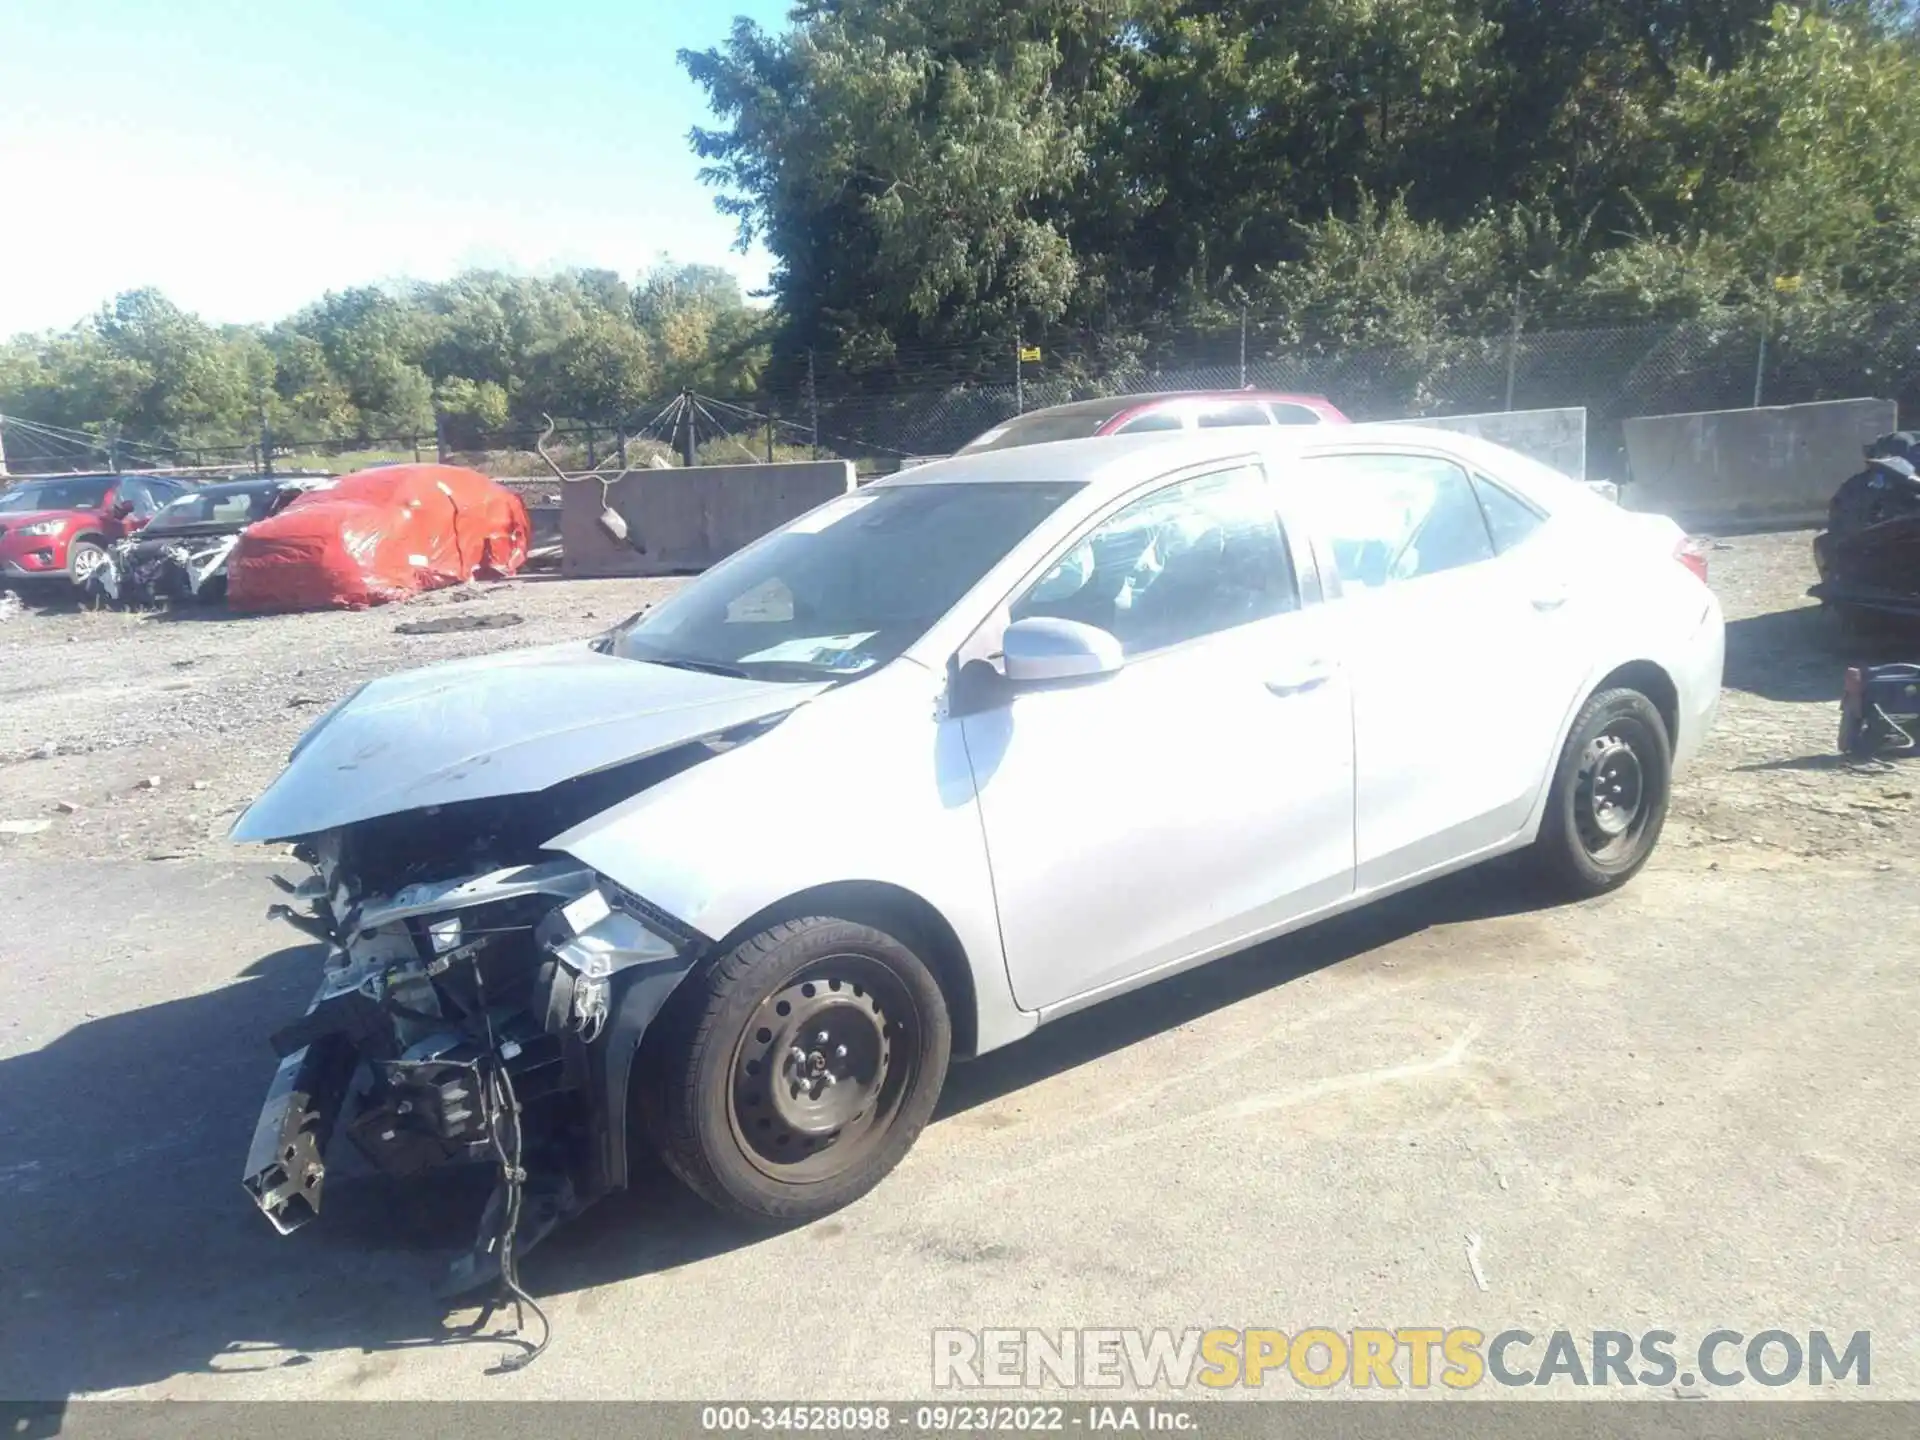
{"x":58,"y":527}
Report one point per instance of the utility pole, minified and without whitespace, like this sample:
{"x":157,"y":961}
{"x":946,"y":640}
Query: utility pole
{"x":1513,"y":348}
{"x":771,"y":420}
{"x":621,"y":437}
{"x":266,"y":444}
{"x":3,"y":447}
{"x":1760,"y":368}
{"x":1019,"y":380}
{"x":688,"y":443}
{"x":1243,"y":346}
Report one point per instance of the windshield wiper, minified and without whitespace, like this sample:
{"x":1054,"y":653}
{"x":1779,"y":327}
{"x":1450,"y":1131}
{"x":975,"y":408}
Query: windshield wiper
{"x":704,"y":667}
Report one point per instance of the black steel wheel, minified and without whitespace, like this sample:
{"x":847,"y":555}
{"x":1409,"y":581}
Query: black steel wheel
{"x":796,"y":1070}
{"x":1608,"y":802}
{"x":1611,"y":810}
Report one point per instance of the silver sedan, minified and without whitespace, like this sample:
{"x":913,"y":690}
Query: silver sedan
{"x":954,"y":755}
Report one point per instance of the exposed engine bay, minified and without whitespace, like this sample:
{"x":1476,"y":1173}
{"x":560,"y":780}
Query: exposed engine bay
{"x":481,"y":1002}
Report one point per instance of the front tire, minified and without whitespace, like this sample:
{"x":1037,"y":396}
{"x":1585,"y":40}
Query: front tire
{"x":83,"y":558}
{"x":1608,"y":802}
{"x":797,"y":1070}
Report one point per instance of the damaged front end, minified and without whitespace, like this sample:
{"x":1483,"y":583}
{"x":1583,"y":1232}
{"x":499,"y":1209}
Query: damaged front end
{"x":143,"y":574}
{"x":483,"y":997}
{"x":490,"y":1018}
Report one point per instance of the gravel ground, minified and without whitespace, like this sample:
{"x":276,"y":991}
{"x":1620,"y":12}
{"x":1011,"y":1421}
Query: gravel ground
{"x":1770,"y":786}
{"x":1680,"y":1106}
{"x":95,"y":705}
{"x":158,"y":730}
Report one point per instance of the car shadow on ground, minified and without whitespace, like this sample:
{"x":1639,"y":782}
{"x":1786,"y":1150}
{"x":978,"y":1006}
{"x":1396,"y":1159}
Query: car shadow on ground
{"x":1800,"y":656}
{"x":131,"y":1255}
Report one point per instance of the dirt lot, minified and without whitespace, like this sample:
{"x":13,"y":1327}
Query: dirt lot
{"x":93,"y":706}
{"x":1684,"y":1106}
{"x":159,"y":729}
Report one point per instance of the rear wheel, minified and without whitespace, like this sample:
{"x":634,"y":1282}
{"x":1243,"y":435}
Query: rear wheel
{"x":1609,"y":799}
{"x":798,"y":1069}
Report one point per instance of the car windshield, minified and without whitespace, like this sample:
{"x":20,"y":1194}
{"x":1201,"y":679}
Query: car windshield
{"x":217,"y":505}
{"x":846,"y":588}
{"x":85,"y":492}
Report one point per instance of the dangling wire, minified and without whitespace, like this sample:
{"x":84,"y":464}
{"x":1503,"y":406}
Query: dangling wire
{"x":502,"y":1103}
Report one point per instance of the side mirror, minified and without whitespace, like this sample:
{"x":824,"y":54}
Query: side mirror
{"x":1042,"y":649}
{"x":121,"y":509}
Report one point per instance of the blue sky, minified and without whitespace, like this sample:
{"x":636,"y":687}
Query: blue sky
{"x":245,"y":155}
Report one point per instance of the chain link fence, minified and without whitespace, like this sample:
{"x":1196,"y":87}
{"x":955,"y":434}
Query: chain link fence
{"x":885,"y":413}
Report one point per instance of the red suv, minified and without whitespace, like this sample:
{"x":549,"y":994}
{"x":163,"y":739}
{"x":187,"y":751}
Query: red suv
{"x":58,"y":527}
{"x":1176,"y":410}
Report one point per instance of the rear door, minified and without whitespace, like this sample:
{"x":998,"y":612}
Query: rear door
{"x":1204,"y":793}
{"x":1459,"y":650}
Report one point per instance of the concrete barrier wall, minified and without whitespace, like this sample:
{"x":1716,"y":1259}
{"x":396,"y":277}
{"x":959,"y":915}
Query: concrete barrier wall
{"x":1777,"y":466}
{"x":1557,"y":438}
{"x":685,"y":520}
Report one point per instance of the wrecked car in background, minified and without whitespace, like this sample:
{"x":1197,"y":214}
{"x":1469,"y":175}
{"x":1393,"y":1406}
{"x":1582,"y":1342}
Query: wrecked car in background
{"x":181,"y":554}
{"x":377,"y":536}
{"x":981,"y":745}
{"x":1869,"y":555}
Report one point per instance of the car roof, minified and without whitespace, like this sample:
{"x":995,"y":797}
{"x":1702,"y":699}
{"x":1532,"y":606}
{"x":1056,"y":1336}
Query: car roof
{"x":1114,"y":404}
{"x":1115,"y":463}
{"x":235,"y":487}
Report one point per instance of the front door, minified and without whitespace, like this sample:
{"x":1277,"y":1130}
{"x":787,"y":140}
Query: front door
{"x":1201,"y":796}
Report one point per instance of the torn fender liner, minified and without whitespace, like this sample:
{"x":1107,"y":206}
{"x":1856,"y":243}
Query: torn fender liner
{"x":496,"y":725}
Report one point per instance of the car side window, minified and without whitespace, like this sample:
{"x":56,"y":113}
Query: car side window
{"x":1509,"y":518}
{"x":136,"y":494}
{"x":1286,"y":414}
{"x":1240,"y":412}
{"x":1393,"y":518}
{"x":1196,"y":558}
{"x":1152,"y":420}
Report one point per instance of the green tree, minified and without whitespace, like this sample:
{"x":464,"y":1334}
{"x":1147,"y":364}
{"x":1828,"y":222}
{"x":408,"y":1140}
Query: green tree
{"x":374,"y":343}
{"x":700,"y":327}
{"x":600,"y":369}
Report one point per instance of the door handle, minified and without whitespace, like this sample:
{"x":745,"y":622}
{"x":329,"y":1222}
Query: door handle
{"x":1302,"y":681}
{"x":1548,"y":600}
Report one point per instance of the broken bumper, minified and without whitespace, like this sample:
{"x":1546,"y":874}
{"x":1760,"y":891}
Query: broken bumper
{"x":535,"y":982}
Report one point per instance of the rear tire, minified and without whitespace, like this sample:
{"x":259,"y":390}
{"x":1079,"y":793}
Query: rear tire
{"x":1608,"y":802}
{"x":797,"y":1069}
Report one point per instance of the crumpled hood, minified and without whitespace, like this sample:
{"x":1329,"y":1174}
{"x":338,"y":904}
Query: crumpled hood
{"x":496,"y":725}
